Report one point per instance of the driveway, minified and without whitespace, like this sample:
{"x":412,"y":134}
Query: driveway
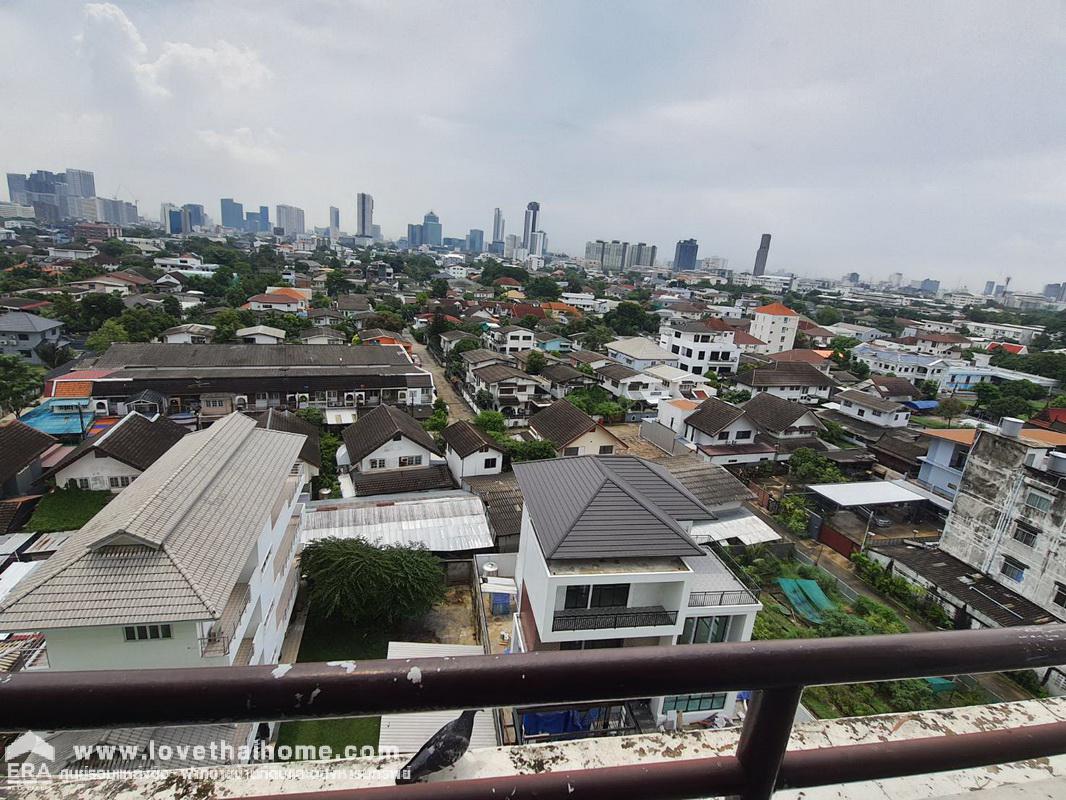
{"x":457,"y":409}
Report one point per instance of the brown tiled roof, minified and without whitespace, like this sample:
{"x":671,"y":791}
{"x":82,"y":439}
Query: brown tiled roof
{"x":372,"y":430}
{"x":891,"y":385}
{"x":395,"y":481}
{"x":134,"y":440}
{"x":503,"y":502}
{"x":494,"y":373}
{"x":275,"y":420}
{"x":775,"y":414}
{"x":19,"y":446}
{"x":713,"y":415}
{"x":561,"y":423}
{"x":616,"y":372}
{"x":464,"y":438}
{"x":712,"y":484}
{"x":786,"y":374}
{"x":807,"y":356}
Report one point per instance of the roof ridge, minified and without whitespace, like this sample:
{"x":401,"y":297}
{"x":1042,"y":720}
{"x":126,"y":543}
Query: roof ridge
{"x":636,"y":494}
{"x":580,"y":511}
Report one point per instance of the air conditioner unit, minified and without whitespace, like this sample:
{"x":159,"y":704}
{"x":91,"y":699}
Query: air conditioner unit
{"x":240,"y":400}
{"x":302,"y":398}
{"x":290,"y":398}
{"x":354,"y":398}
{"x":401,"y":396}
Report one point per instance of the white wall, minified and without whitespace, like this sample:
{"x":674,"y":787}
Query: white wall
{"x":105,"y":647}
{"x":736,"y":427}
{"x":97,"y":471}
{"x":393,"y":451}
{"x":474,"y":464}
{"x":588,"y":444}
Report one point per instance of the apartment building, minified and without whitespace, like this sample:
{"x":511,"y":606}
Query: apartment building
{"x":606,"y":560}
{"x":639,"y":353}
{"x":515,"y":394}
{"x":509,"y":339}
{"x":1001,"y":331}
{"x":777,"y":325}
{"x":702,"y":346}
{"x":192,"y":566}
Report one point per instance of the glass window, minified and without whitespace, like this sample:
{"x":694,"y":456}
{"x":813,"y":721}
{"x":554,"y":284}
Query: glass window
{"x":490,"y":463}
{"x":1060,"y":595}
{"x":702,"y":630}
{"x":571,"y":451}
{"x":606,"y":449}
{"x":1013,"y":569}
{"x":377,"y":463}
{"x":576,"y":597}
{"x":1038,"y":501}
{"x":410,"y":461}
{"x":743,"y":435}
{"x":610,"y":595}
{"x":1025,"y":534}
{"x":694,"y":702}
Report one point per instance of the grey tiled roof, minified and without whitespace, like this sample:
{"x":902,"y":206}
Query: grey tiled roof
{"x":373,"y":429}
{"x":134,"y":440}
{"x":562,"y":373}
{"x":772,"y":413}
{"x":482,"y":354}
{"x":191,"y":356}
{"x":23,"y":322}
{"x":788,"y":373}
{"x":275,"y":420}
{"x":19,"y":446}
{"x":494,"y":373}
{"x":172,"y":546}
{"x":616,"y":372}
{"x":394,"y":481}
{"x":713,"y":485}
{"x":465,"y":438}
{"x":561,"y":423}
{"x":713,"y":414}
{"x":503,"y":502}
{"x":869,"y":400}
{"x":608,"y":507}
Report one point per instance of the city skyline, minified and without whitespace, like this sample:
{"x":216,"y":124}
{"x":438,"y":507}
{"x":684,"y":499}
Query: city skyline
{"x":896,"y":140}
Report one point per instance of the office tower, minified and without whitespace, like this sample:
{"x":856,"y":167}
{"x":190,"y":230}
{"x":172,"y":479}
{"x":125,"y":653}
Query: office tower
{"x":510,"y":244}
{"x":414,"y":235}
{"x":990,"y":288}
{"x":16,"y":187}
{"x":497,"y":226}
{"x":196,"y":214}
{"x":251,"y":221}
{"x":929,"y":286}
{"x":532,"y":222}
{"x":642,"y":255}
{"x":41,"y":181}
{"x":760,"y":256}
{"x":80,"y":183}
{"x":232,"y":213}
{"x":335,"y":218}
{"x":475,"y":240}
{"x":1052,"y":291}
{"x":685,"y":255}
{"x":290,"y":219}
{"x":365,"y":211}
{"x":264,"y":218}
{"x":851,"y":277}
{"x":538,"y":243}
{"x":895,"y":280}
{"x":432,"y":232}
{"x":116,"y":211}
{"x":594,"y":251}
{"x":615,"y":255}
{"x":375,"y":232}
{"x":175,"y":220}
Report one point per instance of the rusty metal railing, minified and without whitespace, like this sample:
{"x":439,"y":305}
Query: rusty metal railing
{"x":778,"y":669}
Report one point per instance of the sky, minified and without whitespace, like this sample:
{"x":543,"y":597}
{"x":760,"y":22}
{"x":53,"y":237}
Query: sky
{"x":875,"y":137}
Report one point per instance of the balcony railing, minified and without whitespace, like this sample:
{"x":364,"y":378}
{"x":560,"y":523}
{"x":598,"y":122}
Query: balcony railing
{"x":595,"y":619}
{"x":218,"y":638}
{"x":737,"y":597}
{"x":148,"y":698}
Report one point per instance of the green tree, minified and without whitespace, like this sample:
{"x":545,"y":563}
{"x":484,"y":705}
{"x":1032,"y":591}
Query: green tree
{"x":808,"y":466}
{"x":535,"y":362}
{"x":542,"y":289}
{"x":172,"y":306}
{"x":20,"y":384}
{"x":827,"y":315}
{"x":490,"y":422}
{"x":986,"y":392}
{"x":439,"y":288}
{"x":929,"y":389}
{"x":144,"y":324}
{"x":96,"y":308}
{"x":437,"y":421}
{"x":949,"y":408}
{"x":111,"y":331}
{"x":52,"y":354}
{"x":630,"y":319}
{"x":531,"y":451}
{"x":1009,"y":406}
{"x":483,"y":399}
{"x":312,"y":416}
{"x":371,"y":586}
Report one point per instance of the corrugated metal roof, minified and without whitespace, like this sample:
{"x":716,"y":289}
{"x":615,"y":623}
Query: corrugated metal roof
{"x":408,"y":732}
{"x":443,"y":525}
{"x":739,"y":524}
{"x":864,"y":493}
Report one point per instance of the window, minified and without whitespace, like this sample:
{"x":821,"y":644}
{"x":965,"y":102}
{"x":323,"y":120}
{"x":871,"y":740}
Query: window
{"x":723,"y":436}
{"x":571,"y":451}
{"x":694,"y":702}
{"x":606,"y":449}
{"x":410,"y":461}
{"x":862,"y":412}
{"x":701,"y":630}
{"x":140,"y":633}
{"x":743,"y":435}
{"x":83,"y":483}
{"x":397,"y":436}
{"x":576,"y":597}
{"x":490,"y":463}
{"x":1026,"y":534}
{"x":377,"y":463}
{"x":1037,"y":501}
{"x":1060,"y":595}
{"x":610,"y":595}
{"x":1013,"y":569}
{"x":600,"y":644}
{"x":215,"y":403}
{"x":119,"y":481}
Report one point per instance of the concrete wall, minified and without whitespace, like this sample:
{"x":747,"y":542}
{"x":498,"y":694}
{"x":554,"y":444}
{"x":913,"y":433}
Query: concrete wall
{"x":97,"y":471}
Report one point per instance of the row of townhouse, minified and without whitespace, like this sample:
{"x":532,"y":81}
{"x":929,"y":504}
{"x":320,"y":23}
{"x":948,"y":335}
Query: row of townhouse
{"x":950,"y":374}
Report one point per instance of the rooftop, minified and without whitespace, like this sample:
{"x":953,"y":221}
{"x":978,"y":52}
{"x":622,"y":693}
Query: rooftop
{"x":561,"y":423}
{"x":777,"y":310}
{"x":156,"y":356}
{"x":867,"y":400}
{"x":776,"y":414}
{"x":713,"y":415}
{"x":465,"y":438}
{"x":135,"y":440}
{"x":23,"y":322}
{"x":785,"y":374}
{"x":640,"y":348}
{"x":20,"y":444}
{"x":376,"y":427}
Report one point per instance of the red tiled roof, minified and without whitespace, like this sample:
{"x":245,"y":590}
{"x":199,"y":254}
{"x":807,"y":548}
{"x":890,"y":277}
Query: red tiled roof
{"x":809,"y":356}
{"x":776,"y":310}
{"x":743,"y":337}
{"x":73,"y":389}
{"x":270,"y":298}
{"x":1010,"y":347}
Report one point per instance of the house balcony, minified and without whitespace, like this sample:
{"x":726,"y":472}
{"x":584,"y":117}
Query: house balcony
{"x":596,"y":619}
{"x":736,"y":597}
{"x":220,"y":636}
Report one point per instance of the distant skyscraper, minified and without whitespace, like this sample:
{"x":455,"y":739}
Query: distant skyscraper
{"x":334,"y":218}
{"x":432,"y":232}
{"x":475,"y":240}
{"x":81,"y":183}
{"x":685,"y":255}
{"x":375,"y":232}
{"x":929,"y":286}
{"x":16,"y":187}
{"x":196,"y":214}
{"x":990,"y":288}
{"x":252,"y":223}
{"x":175,"y":220}
{"x":290,"y":219}
{"x":532,"y":222}
{"x":761,"y":255}
{"x":538,"y":243}
{"x":414,"y":235}
{"x":365,"y":208}
{"x":642,"y":255}
{"x":264,"y":219}
{"x":232,"y":213}
{"x":497,"y":226}
{"x":510,"y":244}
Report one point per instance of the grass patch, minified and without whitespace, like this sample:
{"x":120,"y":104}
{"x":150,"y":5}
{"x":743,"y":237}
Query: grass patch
{"x":336,"y":640}
{"x":66,"y":510}
{"x":932,"y":422}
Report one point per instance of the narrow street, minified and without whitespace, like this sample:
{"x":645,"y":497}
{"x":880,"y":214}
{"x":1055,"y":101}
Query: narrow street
{"x":457,"y":409}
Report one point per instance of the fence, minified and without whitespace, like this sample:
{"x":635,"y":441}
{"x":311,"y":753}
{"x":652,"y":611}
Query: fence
{"x":762,"y":496}
{"x":850,"y":594}
{"x":662,"y":437}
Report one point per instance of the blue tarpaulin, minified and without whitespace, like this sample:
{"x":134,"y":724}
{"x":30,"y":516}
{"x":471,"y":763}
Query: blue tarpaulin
{"x":921,"y":405}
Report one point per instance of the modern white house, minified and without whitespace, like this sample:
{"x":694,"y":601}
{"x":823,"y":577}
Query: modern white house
{"x":112,"y":460}
{"x":704,"y":345}
{"x":515,"y":394}
{"x":724,"y":434}
{"x":873,"y":409}
{"x":605,"y":560}
{"x":639,"y":353}
{"x":797,"y":381}
{"x":283,"y":304}
{"x":192,"y":566}
{"x":261,"y":334}
{"x":943,"y":462}
{"x":191,"y":333}
{"x":508,"y":339}
{"x":321,"y":334}
{"x":470,"y":452}
{"x":645,"y":391}
{"x":449,"y":339}
{"x":573,"y":432}
{"x":682,"y":384}
{"x":777,"y":325}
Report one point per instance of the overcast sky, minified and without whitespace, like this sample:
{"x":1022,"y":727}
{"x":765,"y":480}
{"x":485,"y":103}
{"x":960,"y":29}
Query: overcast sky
{"x":924,"y":138}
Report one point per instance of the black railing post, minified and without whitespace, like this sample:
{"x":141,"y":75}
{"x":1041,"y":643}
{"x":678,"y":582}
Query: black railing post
{"x":764,"y":739}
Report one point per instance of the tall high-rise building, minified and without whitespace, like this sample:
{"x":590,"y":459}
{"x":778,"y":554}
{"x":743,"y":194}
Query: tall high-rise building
{"x":232,"y":213}
{"x":365,"y":212}
{"x":290,"y":219}
{"x":990,"y":288}
{"x":80,"y":183}
{"x":642,"y":255}
{"x":497,"y":226}
{"x":175,"y":220}
{"x":414,"y":235}
{"x":264,"y":218}
{"x":761,"y":255}
{"x":475,"y":240}
{"x":197,"y":217}
{"x":432,"y":232}
{"x":334,"y":218}
{"x":538,"y":243}
{"x":532,"y":222}
{"x":685,"y":255}
{"x":16,"y":187}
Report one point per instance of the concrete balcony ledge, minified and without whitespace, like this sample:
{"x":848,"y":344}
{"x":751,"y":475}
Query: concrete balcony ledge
{"x":1038,"y":778}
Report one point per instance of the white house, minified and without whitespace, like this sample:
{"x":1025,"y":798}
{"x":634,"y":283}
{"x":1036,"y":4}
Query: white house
{"x":791,"y":380}
{"x":471,"y":452}
{"x":639,"y":353}
{"x":701,"y":346}
{"x":573,"y":432}
{"x":775,"y":324}
{"x":321,"y":334}
{"x":584,"y":301}
{"x":508,"y":339}
{"x":386,"y":439}
{"x":716,"y":422}
{"x":191,"y":333}
{"x":514,"y":393}
{"x":192,"y":566}
{"x":682,"y":384}
{"x":281,"y":303}
{"x":620,"y":569}
{"x":873,"y":409}
{"x":103,"y":284}
{"x":644,"y":390}
{"x":110,"y":461}
{"x":261,"y":334}
{"x":449,"y":339}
